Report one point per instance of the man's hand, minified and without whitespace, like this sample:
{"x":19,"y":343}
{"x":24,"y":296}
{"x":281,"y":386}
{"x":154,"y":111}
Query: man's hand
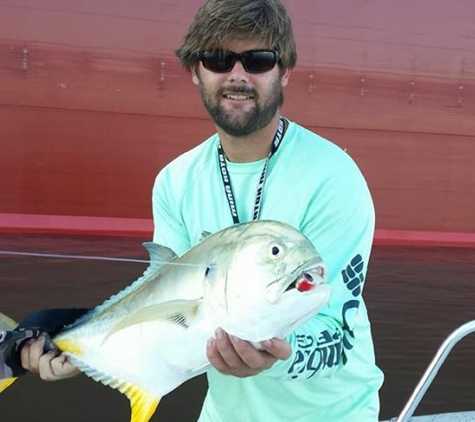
{"x":240,"y":358}
{"x":49,"y":366}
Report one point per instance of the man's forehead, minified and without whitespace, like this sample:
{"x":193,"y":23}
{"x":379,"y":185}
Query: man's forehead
{"x":240,"y":45}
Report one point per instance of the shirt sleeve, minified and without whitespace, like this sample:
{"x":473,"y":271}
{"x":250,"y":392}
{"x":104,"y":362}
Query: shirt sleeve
{"x":340,"y":222}
{"x":169,"y":229}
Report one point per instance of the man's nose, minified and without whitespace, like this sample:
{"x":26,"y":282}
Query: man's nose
{"x":238,"y":73}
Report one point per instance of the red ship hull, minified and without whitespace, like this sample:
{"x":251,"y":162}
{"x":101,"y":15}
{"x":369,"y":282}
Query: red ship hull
{"x":93,"y":103}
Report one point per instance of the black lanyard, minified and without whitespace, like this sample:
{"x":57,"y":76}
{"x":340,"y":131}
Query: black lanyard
{"x":260,"y":186}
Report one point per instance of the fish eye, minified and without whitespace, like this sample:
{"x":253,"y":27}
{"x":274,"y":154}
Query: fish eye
{"x":276,"y":250}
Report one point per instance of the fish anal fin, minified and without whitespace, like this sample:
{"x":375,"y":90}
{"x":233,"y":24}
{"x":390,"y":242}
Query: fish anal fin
{"x":142,"y":404}
{"x":178,"y":312}
{"x":5,"y":383}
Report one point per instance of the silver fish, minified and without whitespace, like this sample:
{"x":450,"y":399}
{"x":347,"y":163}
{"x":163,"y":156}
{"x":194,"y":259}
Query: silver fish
{"x":256,"y":280}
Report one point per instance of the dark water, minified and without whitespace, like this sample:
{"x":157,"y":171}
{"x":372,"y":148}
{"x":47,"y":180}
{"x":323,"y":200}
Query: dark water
{"x":415,"y":296}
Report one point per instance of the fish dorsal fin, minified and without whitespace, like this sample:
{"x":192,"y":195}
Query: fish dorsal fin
{"x":179,"y":312}
{"x":160,"y":256}
{"x":6,"y":323}
{"x":142,"y":404}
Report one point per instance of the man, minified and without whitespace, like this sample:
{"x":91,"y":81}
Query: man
{"x":259,"y":165}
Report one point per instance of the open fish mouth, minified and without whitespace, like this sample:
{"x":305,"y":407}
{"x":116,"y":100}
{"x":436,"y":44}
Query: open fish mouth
{"x":303,"y":279}
{"x":308,"y":280}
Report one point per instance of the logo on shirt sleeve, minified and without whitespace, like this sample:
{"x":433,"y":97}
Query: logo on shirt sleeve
{"x":314,"y":353}
{"x":353,"y":276}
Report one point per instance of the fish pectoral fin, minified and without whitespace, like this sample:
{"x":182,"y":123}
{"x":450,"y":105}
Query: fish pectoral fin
{"x":179,"y":312}
{"x":142,"y":404}
{"x":5,"y":383}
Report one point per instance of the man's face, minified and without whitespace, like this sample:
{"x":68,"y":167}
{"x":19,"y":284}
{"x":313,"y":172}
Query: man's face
{"x":239,"y":102}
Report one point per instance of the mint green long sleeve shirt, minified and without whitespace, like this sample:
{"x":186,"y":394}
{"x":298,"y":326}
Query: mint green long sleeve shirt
{"x":316,"y":187}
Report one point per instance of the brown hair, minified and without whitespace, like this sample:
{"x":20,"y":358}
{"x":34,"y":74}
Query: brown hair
{"x":219,"y":21}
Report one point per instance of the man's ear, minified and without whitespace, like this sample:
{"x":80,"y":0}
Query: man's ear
{"x":194,"y":74}
{"x":285,"y":77}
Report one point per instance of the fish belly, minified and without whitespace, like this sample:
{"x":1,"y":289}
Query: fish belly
{"x":155,"y":356}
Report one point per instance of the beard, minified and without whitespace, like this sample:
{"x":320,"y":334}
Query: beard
{"x":250,"y":121}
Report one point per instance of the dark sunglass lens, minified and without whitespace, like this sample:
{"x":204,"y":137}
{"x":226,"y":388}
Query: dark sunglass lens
{"x":259,"y":61}
{"x":217,"y":61}
{"x":253,"y":61}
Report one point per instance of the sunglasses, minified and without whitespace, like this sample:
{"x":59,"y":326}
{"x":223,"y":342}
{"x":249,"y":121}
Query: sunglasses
{"x":253,"y":61}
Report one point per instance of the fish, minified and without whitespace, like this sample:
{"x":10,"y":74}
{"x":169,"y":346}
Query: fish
{"x":257,"y":280}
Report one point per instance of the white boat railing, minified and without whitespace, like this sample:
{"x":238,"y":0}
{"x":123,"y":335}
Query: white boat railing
{"x":432,"y":370}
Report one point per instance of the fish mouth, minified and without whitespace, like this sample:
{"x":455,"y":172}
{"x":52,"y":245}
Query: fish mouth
{"x":304,"y":278}
{"x":307,"y":280}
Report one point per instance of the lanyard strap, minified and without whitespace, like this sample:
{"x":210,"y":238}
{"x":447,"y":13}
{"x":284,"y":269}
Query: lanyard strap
{"x":260,"y":186}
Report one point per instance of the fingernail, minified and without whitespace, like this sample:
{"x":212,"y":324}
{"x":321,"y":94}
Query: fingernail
{"x":219,"y":333}
{"x":266,"y":343}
